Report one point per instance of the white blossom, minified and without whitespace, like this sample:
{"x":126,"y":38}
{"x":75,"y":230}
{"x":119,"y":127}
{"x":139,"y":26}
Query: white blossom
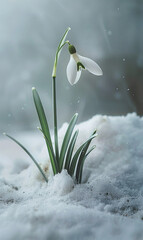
{"x":78,"y":63}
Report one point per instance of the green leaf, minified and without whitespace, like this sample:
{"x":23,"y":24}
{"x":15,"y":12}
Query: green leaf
{"x":74,"y":161}
{"x":33,"y":159}
{"x":82,"y":155}
{"x":45,"y":129}
{"x":67,"y":139}
{"x":82,"y":163}
{"x":76,"y":156}
{"x":70,"y":151}
{"x":90,"y":150}
{"x":46,"y":141}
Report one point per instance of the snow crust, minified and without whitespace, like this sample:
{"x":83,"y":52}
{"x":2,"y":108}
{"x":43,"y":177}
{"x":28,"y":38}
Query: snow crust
{"x":107,"y":205}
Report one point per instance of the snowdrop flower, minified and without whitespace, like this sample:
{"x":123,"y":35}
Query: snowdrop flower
{"x":77,"y":63}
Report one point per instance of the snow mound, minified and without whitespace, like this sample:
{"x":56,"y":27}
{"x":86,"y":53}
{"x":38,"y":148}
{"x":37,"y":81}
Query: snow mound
{"x":61,"y":184}
{"x":107,"y":205}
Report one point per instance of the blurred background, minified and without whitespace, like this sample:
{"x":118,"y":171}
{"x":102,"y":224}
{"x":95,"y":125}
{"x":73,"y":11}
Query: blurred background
{"x":110,"y":32}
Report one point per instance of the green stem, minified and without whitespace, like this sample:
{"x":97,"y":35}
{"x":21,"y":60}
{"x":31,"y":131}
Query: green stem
{"x":57,"y":56}
{"x":55,"y":121}
{"x":60,"y":46}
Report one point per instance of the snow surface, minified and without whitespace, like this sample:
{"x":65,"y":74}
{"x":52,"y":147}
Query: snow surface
{"x":107,"y":205}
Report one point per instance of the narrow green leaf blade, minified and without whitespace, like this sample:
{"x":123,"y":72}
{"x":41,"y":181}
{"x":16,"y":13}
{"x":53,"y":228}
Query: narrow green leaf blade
{"x":47,"y":141}
{"x":76,"y":156}
{"x":82,"y":163}
{"x":90,"y":150}
{"x":74,"y":161}
{"x":33,"y":159}
{"x":67,"y":139}
{"x":82,"y":155}
{"x":70,"y":151}
{"x":45,"y":128}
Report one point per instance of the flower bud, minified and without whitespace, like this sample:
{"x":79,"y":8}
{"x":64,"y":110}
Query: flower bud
{"x":72,"y":49}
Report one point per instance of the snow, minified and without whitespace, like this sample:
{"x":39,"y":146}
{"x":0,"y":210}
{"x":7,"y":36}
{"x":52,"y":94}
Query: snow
{"x":107,"y":205}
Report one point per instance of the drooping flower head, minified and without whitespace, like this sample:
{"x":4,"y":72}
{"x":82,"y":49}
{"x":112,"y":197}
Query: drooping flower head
{"x":78,"y":63}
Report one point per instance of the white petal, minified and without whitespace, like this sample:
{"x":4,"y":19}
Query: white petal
{"x":77,"y":76}
{"x":90,"y":65}
{"x":72,"y":74}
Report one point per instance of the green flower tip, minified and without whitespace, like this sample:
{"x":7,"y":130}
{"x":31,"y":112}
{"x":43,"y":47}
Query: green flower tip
{"x":4,"y":134}
{"x":33,"y":88}
{"x":80,"y":65}
{"x":72,"y":49}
